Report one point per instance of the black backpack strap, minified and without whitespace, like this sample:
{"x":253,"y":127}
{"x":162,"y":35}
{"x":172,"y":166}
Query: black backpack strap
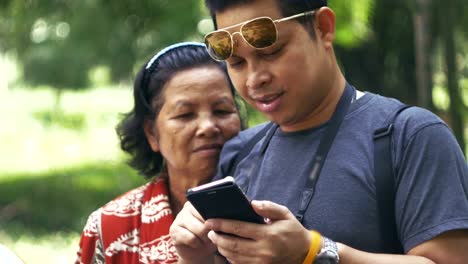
{"x":385,"y":184}
{"x":247,"y":148}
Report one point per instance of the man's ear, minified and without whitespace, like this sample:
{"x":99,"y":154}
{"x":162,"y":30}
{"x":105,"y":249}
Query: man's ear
{"x":325,"y":21}
{"x":151,"y":135}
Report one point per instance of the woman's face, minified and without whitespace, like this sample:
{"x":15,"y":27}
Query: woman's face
{"x":198,"y":115}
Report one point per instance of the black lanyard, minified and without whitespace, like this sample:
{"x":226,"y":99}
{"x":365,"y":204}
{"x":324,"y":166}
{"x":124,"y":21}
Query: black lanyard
{"x":322,"y":150}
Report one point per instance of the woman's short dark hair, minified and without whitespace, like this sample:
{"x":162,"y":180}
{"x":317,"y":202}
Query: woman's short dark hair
{"x":148,"y":100}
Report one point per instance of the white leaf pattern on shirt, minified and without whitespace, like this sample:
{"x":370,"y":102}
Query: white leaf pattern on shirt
{"x":127,"y":242}
{"x":160,"y":250}
{"x":155,"y":209}
{"x":127,"y":205}
{"x":91,"y":227}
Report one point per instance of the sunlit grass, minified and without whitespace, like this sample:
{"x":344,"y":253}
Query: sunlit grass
{"x":30,"y":144}
{"x":45,"y":212}
{"x":53,"y":176}
{"x":54,"y":248}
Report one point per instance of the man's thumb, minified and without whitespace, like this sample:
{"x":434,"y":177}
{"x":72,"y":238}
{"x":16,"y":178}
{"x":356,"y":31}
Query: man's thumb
{"x":270,"y":210}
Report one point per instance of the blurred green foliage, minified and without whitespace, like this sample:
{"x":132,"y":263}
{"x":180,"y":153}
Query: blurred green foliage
{"x":352,"y":18}
{"x":76,"y":121}
{"x":61,"y":199}
{"x":385,"y":61}
{"x":59,"y":41}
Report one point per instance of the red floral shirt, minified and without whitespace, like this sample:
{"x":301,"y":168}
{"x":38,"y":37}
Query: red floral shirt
{"x":133,"y":228}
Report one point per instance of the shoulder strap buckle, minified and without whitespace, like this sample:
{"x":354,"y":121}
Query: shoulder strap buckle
{"x":383,"y":131}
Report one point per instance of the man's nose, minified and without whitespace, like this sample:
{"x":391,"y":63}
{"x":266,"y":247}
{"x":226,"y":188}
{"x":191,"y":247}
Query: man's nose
{"x":257,"y":78}
{"x":258,"y":74}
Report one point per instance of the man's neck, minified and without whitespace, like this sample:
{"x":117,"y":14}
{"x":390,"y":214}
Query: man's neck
{"x":324,"y":111}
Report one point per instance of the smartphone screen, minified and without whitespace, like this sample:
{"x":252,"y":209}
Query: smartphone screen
{"x":223,"y":199}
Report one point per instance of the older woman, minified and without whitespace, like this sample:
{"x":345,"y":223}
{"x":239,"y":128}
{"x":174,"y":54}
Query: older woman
{"x":183,"y":113}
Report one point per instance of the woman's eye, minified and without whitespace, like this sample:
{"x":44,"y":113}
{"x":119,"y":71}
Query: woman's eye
{"x":184,"y":116}
{"x":223,"y":112}
{"x":220,"y":112}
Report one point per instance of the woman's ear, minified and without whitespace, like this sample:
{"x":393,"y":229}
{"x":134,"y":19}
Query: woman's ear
{"x":151,"y":135}
{"x":325,"y":21}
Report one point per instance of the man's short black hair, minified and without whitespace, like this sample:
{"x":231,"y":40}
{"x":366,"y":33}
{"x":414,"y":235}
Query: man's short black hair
{"x":287,"y":7}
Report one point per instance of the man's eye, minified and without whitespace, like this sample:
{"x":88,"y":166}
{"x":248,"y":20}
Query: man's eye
{"x":235,"y":62}
{"x":272,"y":52}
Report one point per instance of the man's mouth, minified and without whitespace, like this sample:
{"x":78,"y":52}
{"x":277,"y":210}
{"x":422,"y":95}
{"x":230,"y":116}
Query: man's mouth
{"x":268,"y":103}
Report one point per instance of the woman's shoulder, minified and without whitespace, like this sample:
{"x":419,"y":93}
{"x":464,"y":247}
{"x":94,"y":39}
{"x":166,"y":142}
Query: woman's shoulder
{"x":123,"y":205}
{"x":130,"y":203}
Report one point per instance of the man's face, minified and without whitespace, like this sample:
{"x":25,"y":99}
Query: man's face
{"x":286,"y":81}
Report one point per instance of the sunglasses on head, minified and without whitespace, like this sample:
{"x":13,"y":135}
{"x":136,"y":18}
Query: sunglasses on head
{"x":259,"y":33}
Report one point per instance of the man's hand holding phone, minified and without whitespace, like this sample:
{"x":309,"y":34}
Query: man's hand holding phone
{"x":281,"y":240}
{"x":223,"y":199}
{"x":218,"y":199}
{"x":190,"y":237}
{"x":197,"y":240}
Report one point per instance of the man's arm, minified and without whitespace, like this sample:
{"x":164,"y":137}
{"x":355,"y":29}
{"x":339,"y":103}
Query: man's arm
{"x":449,"y":247}
{"x":286,"y":241}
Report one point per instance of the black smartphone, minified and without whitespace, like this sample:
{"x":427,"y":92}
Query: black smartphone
{"x":223,"y":199}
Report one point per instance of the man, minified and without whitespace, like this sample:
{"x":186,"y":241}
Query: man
{"x":293,"y":78}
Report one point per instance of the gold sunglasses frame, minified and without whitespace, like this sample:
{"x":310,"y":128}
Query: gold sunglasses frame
{"x":242,"y":24}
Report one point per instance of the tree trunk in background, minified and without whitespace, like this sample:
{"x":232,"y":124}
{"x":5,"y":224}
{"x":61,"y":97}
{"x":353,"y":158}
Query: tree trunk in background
{"x":448,"y":38}
{"x":421,"y":45}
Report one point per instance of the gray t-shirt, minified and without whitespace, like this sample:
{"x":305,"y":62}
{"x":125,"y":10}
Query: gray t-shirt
{"x":431,"y":175}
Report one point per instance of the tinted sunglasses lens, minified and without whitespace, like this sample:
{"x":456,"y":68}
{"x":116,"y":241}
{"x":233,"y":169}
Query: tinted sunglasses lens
{"x":260,"y":33}
{"x":219,"y":45}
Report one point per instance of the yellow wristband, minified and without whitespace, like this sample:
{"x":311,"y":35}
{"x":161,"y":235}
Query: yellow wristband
{"x":313,"y":247}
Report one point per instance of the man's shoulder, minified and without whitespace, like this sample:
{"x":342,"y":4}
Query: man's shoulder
{"x":252,"y":131}
{"x":385,"y":108}
{"x":246,"y":135}
{"x":232,"y":149}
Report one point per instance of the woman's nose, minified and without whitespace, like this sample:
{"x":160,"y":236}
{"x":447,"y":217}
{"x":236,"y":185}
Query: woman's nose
{"x":208,"y":126}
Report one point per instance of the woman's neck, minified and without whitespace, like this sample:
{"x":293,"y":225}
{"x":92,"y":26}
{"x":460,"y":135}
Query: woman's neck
{"x":178,"y":185}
